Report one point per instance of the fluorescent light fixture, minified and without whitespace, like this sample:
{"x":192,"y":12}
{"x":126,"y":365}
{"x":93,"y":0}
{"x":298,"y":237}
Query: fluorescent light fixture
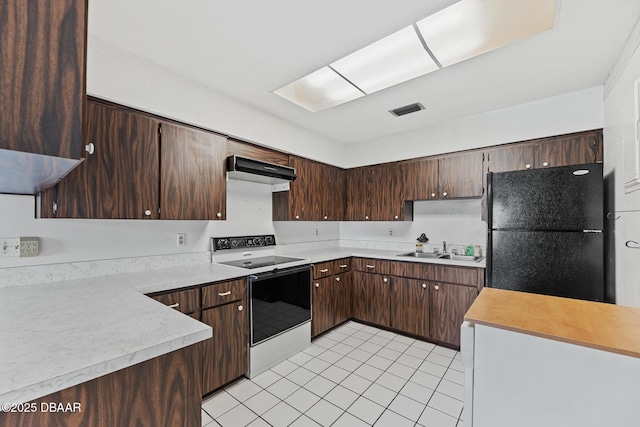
{"x":319,"y":90}
{"x":387,"y":62}
{"x":469,"y":28}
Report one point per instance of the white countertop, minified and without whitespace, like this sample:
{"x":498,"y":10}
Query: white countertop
{"x":328,"y":254}
{"x":60,"y":334}
{"x":57,"y":335}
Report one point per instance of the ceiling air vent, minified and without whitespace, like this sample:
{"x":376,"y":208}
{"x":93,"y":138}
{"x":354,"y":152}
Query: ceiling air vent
{"x":407,"y":109}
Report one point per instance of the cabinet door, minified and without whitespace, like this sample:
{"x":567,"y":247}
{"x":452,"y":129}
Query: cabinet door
{"x":321,"y":305}
{"x":358,"y":195}
{"x":420,"y":179}
{"x":193,"y":181}
{"x":244,"y":149}
{"x":42,"y":49}
{"x":386,"y":193}
{"x":574,"y":149}
{"x":341,"y":297}
{"x":447,"y":305}
{"x":186,"y":302}
{"x":511,"y":158}
{"x":225,"y":355}
{"x":120,"y":179}
{"x":334,"y":194}
{"x":410,"y":306}
{"x":460,"y":175}
{"x":371,"y":298}
{"x":304,"y":198}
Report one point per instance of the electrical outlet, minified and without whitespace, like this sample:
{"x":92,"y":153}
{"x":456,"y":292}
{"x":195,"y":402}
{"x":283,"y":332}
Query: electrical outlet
{"x":9,"y":246}
{"x":390,"y":232}
{"x":315,"y":231}
{"x":29,"y":246}
{"x":19,"y":246}
{"x":181,"y":239}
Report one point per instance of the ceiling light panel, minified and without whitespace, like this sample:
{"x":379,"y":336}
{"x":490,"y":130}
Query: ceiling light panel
{"x":319,"y":90}
{"x":469,"y":28}
{"x":387,"y":62}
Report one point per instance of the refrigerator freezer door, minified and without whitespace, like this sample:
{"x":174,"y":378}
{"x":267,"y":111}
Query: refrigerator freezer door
{"x":564,"y":264}
{"x":562,"y":198}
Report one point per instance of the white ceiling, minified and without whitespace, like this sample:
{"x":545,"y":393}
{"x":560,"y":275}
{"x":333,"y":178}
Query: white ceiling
{"x":248,"y":48}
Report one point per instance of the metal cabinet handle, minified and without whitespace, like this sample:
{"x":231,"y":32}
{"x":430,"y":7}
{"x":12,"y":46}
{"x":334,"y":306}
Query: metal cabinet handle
{"x":445,"y":194}
{"x":545,"y":163}
{"x":317,"y":285}
{"x":297,"y":216}
{"x":385,"y":280}
{"x":337,"y":279}
{"x":436,"y":287}
{"x":324,"y":270}
{"x":343,"y":266}
{"x":528,"y":166}
{"x":147,"y":212}
{"x":219,"y":215}
{"x":366,"y":217}
{"x":395,"y":217}
{"x":176,"y":305}
{"x":224,"y":294}
{"x":433,"y":194}
{"x":326,"y":217}
{"x":240,"y":308}
{"x":371,"y":266}
{"x":424,"y":285}
{"x":90,"y":148}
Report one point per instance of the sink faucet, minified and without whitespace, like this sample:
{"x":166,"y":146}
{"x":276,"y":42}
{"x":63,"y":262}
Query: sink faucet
{"x":444,"y":247}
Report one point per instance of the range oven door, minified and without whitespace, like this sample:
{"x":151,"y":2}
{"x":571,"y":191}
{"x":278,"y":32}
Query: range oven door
{"x":279,"y":300}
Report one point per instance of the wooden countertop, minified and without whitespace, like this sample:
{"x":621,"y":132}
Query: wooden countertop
{"x":597,"y":325}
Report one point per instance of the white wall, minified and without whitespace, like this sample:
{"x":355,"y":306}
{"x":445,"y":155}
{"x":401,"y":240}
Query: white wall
{"x":67,"y":240}
{"x":119,"y":76}
{"x":619,"y":136}
{"x":571,"y":112}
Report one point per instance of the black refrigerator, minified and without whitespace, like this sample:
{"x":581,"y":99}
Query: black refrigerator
{"x":545,"y":231}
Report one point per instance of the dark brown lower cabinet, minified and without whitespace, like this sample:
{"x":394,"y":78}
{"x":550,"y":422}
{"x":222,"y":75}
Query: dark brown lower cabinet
{"x":447,"y":305}
{"x":341,"y":297}
{"x":225,"y":354}
{"x":321,"y":305}
{"x":165,"y":392}
{"x":410,"y":306}
{"x":371,"y":297}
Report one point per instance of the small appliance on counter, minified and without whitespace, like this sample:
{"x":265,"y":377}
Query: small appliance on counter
{"x":279,"y":295}
{"x":545,"y":231}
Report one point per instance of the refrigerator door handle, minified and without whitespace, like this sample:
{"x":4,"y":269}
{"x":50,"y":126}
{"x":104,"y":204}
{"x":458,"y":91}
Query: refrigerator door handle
{"x":592,"y":231}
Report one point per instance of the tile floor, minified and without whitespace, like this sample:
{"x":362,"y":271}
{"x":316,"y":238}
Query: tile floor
{"x":354,"y":376}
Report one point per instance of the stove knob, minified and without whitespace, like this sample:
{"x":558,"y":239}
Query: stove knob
{"x":256,"y":241}
{"x":269,"y":240}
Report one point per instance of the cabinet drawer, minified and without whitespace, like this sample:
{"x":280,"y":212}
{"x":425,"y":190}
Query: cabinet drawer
{"x":459,"y":275}
{"x":223,"y":292}
{"x":323,"y":269}
{"x":341,"y":265}
{"x":187,"y":301}
{"x":422,"y":271}
{"x":370,"y":265}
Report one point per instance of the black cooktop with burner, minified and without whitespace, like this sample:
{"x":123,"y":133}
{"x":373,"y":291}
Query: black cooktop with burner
{"x":261,"y":261}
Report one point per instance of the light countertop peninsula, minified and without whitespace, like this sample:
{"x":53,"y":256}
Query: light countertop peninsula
{"x":601,"y":326}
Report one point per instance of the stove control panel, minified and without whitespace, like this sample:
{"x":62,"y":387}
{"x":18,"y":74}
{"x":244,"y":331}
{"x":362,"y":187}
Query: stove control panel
{"x":223,"y":243}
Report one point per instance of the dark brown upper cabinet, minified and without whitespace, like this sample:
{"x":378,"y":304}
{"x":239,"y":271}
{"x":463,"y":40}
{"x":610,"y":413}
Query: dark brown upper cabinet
{"x":120,"y":180}
{"x":142,"y":168}
{"x":564,"y":150}
{"x":42,"y":49}
{"x":376,"y":193}
{"x":317,"y":194}
{"x":444,"y":177}
{"x":252,"y":151}
{"x":193,"y":183}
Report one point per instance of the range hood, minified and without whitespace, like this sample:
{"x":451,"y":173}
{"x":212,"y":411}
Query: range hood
{"x":246,"y":169}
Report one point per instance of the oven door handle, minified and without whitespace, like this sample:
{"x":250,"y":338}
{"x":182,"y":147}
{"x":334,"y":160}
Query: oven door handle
{"x":278,"y":272}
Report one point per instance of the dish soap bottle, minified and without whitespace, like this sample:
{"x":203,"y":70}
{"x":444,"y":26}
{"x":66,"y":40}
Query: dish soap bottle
{"x":469,"y":250}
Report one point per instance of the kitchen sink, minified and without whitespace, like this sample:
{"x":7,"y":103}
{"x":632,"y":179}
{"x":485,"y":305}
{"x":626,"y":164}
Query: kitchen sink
{"x":443,"y":256}
{"x":421,"y":255}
